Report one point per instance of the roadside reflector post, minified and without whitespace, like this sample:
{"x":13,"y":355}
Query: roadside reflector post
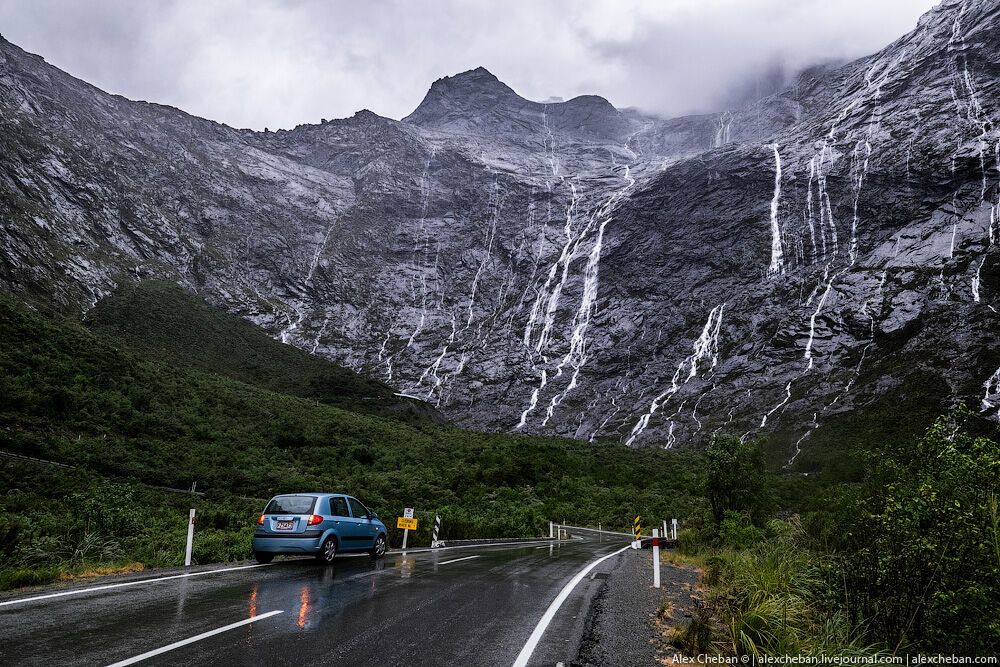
{"x":656,"y":558}
{"x":600,"y":535}
{"x":437,"y":530}
{"x":551,"y":530}
{"x":190,"y":540}
{"x":673,"y":526}
{"x":664,"y":533}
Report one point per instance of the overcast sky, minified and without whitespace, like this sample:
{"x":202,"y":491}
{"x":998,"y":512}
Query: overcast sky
{"x":257,"y":63}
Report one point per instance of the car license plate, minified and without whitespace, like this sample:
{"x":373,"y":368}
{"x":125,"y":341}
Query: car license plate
{"x":285,"y":525}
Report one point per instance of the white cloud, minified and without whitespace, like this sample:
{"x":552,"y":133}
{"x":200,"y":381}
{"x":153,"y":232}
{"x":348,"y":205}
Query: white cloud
{"x":277,"y":64}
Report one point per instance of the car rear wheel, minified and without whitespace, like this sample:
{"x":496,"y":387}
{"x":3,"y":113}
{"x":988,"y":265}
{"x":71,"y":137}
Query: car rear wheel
{"x":328,"y":551}
{"x":379,"y":549}
{"x":262,"y":557}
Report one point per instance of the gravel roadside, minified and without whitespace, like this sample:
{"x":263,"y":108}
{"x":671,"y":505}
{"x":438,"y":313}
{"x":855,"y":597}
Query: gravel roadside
{"x":621,"y":628}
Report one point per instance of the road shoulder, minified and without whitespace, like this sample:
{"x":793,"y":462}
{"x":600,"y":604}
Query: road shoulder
{"x":622,"y":626}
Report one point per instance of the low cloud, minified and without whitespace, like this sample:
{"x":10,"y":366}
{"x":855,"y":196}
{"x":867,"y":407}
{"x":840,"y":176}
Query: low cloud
{"x":277,"y":64}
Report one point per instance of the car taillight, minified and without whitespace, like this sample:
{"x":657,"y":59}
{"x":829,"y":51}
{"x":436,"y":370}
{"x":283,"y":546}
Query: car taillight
{"x":260,"y":520}
{"x":315,"y":519}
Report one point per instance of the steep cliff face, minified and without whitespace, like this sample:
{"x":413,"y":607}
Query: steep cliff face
{"x":565,"y":268}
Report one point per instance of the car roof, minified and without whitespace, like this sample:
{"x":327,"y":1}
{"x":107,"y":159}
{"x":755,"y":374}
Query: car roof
{"x":314,"y":494}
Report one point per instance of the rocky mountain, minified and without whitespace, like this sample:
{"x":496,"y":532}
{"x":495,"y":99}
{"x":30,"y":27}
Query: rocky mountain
{"x":818,"y":263}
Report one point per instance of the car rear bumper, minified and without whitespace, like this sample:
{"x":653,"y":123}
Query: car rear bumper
{"x":307,"y":542}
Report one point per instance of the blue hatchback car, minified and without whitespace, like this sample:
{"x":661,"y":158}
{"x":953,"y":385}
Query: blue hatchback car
{"x":319,"y":524}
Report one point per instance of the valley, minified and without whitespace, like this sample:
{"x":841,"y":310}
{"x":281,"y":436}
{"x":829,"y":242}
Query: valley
{"x":564,"y":268}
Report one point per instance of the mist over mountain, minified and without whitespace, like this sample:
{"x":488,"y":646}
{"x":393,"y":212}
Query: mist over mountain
{"x":278,"y":65}
{"x":797,"y":264}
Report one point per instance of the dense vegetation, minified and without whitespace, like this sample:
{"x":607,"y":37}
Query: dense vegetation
{"x":907,"y":561}
{"x":128,"y":423}
{"x":163,"y":321}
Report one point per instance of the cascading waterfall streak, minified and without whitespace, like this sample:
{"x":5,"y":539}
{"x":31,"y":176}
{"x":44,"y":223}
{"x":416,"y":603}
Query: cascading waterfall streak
{"x":705,"y":346}
{"x":777,"y":266}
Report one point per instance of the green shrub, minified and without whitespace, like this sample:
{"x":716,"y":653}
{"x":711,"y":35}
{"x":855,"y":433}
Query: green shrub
{"x":693,"y":541}
{"x":71,"y":549}
{"x":918,"y":548}
{"x":737,"y":479}
{"x":217,"y":546}
{"x":696,"y":636}
{"x":737,"y":532}
{"x":21,"y":577}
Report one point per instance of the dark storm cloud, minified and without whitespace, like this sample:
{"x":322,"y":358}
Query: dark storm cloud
{"x":271,"y":63}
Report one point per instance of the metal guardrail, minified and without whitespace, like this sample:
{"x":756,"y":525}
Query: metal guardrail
{"x":492,"y":540}
{"x":32,"y":459}
{"x":597,"y":530}
{"x":644,"y":541}
{"x":170,"y":489}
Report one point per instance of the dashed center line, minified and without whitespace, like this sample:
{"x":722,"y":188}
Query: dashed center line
{"x":191,"y":640}
{"x":125,"y":584}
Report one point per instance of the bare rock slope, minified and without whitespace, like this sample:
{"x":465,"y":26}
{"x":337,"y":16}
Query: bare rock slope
{"x":565,"y":268}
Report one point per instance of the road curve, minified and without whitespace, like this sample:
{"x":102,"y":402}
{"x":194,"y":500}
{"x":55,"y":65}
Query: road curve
{"x":470,"y":606}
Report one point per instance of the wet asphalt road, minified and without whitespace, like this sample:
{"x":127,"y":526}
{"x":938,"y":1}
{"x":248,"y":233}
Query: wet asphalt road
{"x":424,"y":608}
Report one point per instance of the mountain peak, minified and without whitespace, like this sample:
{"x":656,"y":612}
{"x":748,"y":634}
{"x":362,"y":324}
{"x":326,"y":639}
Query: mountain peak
{"x":471,"y":81}
{"x":479,"y":72}
{"x":472,"y":93}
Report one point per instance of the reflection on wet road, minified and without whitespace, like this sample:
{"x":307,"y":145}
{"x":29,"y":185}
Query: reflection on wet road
{"x":473,"y":606}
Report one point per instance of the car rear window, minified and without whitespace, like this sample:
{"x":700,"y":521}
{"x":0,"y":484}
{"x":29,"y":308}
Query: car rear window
{"x":290,"y":505}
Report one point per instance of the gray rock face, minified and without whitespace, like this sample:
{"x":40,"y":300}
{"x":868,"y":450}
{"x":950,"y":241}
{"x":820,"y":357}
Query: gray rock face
{"x":565,"y":268}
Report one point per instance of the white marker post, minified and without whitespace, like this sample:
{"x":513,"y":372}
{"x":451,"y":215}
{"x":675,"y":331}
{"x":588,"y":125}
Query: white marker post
{"x":656,"y":558}
{"x":190,"y":540}
{"x":551,"y":530}
{"x":673,"y":526}
{"x":664,"y":533}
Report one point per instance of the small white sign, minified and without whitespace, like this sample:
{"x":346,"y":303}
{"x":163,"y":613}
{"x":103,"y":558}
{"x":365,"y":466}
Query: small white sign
{"x":408,"y":513}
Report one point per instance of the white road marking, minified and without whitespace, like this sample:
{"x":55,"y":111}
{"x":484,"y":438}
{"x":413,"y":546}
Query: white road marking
{"x":196,"y":638}
{"x":455,"y":560}
{"x":138,"y":582}
{"x":536,"y":635}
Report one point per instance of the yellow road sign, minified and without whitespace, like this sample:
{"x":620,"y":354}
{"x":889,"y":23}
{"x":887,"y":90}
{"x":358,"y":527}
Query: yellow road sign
{"x":406,"y":524}
{"x":637,"y":527}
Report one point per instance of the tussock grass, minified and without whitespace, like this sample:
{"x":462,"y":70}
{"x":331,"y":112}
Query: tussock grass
{"x":771,"y":599}
{"x":102,"y":571}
